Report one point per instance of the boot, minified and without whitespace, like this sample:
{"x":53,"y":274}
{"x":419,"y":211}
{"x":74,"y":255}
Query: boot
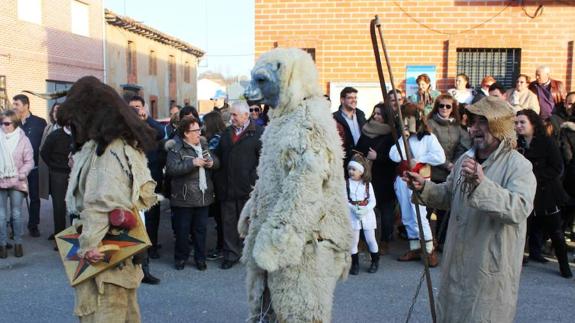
{"x":374,"y":263}
{"x":561,"y":254}
{"x":18,"y":251}
{"x":354,"y":270}
{"x":148,"y":277}
{"x":432,"y":259}
{"x":3,"y":252}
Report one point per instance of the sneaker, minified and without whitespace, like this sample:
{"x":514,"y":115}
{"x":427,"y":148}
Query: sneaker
{"x":214,"y":254}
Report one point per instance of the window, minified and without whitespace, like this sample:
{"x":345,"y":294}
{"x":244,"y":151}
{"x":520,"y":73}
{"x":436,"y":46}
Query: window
{"x":310,"y":51}
{"x":172,"y":69}
{"x":30,"y":11}
{"x":80,"y":15}
{"x":153,"y":105}
{"x":501,"y":63}
{"x":187,"y":72}
{"x":131,"y":63}
{"x":56,"y":86}
{"x":152,"y":63}
{"x":3,"y":93}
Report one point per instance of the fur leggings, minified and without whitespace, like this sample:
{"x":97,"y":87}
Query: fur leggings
{"x":369,"y":239}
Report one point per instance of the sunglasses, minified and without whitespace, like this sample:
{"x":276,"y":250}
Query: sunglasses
{"x":446,"y":106}
{"x":7,"y":123}
{"x":255,"y":110}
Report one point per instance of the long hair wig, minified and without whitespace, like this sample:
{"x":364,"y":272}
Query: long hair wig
{"x":95,"y":111}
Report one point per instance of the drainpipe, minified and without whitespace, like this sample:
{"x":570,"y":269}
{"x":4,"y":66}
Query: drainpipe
{"x":104,"y":52}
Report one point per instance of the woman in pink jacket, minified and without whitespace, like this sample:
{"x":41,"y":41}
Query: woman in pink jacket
{"x":16,"y":161}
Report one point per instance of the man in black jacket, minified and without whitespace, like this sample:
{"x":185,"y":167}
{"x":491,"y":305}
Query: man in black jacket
{"x":239,"y":153}
{"x":156,"y":161}
{"x":33,"y":126}
{"x":349,"y":120}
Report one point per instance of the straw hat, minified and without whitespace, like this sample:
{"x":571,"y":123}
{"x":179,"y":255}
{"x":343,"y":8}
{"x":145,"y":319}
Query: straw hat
{"x":500,"y":117}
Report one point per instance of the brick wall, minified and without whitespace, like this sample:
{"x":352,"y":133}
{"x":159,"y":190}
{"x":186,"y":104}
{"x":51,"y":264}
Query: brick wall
{"x":339,"y":31}
{"x":31,"y":54}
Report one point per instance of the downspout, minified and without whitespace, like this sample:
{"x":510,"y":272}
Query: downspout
{"x":104,"y":52}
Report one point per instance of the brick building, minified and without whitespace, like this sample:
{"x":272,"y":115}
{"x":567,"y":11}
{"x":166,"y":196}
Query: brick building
{"x":141,"y":60}
{"x":478,"y":37}
{"x":47,"y":45}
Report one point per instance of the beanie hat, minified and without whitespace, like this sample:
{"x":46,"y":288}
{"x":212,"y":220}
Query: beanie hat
{"x":500,"y":118}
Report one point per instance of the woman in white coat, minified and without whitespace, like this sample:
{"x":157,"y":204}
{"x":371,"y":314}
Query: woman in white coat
{"x":426,"y":151}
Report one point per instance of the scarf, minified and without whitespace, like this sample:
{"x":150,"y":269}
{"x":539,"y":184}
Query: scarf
{"x":373,"y":129}
{"x":203,"y":182}
{"x":443,"y":121}
{"x":8,"y":143}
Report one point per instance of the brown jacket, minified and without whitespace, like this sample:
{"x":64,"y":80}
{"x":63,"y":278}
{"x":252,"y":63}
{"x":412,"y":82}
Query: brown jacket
{"x":558,"y":91}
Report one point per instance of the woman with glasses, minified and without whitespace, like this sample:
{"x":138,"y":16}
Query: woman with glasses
{"x":256,"y":114}
{"x":462,"y":92}
{"x":189,"y":163}
{"x":16,"y":161}
{"x":425,"y":95}
{"x":521,"y":97}
{"x":541,"y":150}
{"x":445,"y":123}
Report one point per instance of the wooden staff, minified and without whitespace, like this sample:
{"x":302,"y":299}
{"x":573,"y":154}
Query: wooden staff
{"x":377,"y":24}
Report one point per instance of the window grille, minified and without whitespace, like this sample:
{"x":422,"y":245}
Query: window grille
{"x":501,"y":63}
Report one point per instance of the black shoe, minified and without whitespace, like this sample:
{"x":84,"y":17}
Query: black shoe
{"x":214,"y":254}
{"x":153,"y":252}
{"x":3,"y":252}
{"x":180,"y":264}
{"x":525,"y":261}
{"x":150,"y":279}
{"x":354,"y":270}
{"x":374,"y":263}
{"x":227,"y":264}
{"x":201,"y":265}
{"x":538,"y":258}
{"x":34,"y":232}
{"x":51,"y":237}
{"x":8,"y":246}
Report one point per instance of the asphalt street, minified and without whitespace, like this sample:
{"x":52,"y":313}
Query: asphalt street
{"x":34,"y":288}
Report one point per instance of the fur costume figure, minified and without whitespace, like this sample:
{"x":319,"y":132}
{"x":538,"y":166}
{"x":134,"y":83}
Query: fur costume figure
{"x":299,"y":233}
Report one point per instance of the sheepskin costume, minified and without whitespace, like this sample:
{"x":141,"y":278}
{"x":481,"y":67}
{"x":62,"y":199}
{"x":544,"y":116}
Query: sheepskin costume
{"x":299,"y":233}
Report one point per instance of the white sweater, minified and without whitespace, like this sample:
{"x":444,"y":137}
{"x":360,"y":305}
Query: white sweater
{"x":357,"y":193}
{"x":428,"y":150}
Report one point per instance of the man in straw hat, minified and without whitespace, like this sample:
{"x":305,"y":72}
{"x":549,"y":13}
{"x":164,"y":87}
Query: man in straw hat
{"x":490,"y":193}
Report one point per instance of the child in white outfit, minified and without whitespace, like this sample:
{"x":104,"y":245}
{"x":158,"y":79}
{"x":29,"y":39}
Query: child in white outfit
{"x":361,"y":201}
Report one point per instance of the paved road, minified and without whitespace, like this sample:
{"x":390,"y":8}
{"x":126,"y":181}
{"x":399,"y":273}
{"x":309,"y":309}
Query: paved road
{"x":34,"y":289}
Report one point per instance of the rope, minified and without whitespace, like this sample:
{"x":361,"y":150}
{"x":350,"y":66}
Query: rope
{"x":414,"y":299}
{"x":450,"y":33}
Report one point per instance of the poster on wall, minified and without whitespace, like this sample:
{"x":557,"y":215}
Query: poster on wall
{"x":411,"y":74}
{"x":368,"y":95}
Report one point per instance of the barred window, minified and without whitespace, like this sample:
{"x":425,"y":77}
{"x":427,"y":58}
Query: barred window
{"x":3,"y":93}
{"x":501,"y":63}
{"x":152,"y":63}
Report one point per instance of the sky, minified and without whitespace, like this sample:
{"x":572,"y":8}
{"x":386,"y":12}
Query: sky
{"x":224,"y":29}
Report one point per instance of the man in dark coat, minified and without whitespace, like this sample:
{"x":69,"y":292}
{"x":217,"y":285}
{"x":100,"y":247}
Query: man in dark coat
{"x":33,"y":126}
{"x":349,"y":121}
{"x":239,"y":153}
{"x":156,"y":161}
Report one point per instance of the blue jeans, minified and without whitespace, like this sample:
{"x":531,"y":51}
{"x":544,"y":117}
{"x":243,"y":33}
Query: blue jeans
{"x":16,"y":198}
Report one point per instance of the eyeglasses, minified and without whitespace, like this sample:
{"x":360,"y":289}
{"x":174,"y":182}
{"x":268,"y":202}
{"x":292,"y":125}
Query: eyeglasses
{"x":255,"y":110}
{"x":6,"y":124}
{"x":194,"y":130}
{"x":446,"y":106}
